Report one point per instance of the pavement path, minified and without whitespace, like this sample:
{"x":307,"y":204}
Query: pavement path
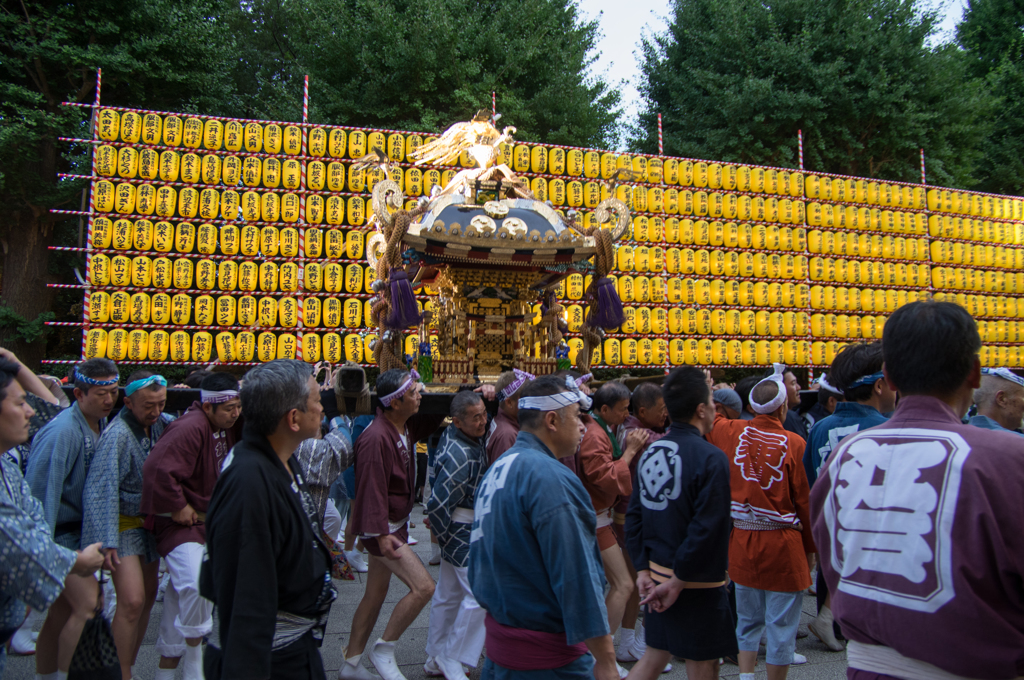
{"x":821,"y":663}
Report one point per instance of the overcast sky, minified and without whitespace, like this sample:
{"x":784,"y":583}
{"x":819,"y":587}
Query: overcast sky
{"x":623,"y":22}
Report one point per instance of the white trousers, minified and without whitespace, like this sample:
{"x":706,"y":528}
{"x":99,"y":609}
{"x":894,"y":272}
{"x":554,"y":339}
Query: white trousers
{"x":333,"y":523}
{"x":456,"y":620}
{"x":186,"y":613}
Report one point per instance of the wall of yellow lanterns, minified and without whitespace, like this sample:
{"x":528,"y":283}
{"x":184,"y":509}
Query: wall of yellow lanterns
{"x":220,"y":238}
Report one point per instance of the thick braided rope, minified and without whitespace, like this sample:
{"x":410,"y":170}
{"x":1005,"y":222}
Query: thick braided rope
{"x":394,"y":227}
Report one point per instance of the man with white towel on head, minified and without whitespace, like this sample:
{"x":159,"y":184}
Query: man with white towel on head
{"x":771,"y":546}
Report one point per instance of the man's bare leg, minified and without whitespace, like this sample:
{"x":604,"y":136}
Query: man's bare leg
{"x":619,"y":584}
{"x":47,"y":644}
{"x":653,"y":663}
{"x":135,"y":584}
{"x":632,"y":612}
{"x":75,"y":606}
{"x":748,"y":660}
{"x":702,"y":670}
{"x":378,"y":580}
{"x":410,"y":570}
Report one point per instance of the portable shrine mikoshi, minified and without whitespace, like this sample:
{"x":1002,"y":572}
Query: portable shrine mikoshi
{"x":487,"y":251}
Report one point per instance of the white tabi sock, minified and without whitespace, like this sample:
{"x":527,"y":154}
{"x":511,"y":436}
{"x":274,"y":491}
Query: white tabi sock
{"x":626,"y":637}
{"x":165,"y":673}
{"x":48,"y":676}
{"x":193,"y":663}
{"x":61,"y":675}
{"x":746,"y":676}
{"x":354,"y":660}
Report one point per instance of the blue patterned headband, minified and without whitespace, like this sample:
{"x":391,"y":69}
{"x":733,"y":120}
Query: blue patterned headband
{"x":1005,"y":374}
{"x":92,"y":381}
{"x":865,"y":380}
{"x":136,"y":385}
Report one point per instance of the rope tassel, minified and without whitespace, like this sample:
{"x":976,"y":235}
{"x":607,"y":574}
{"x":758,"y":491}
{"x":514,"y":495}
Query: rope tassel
{"x":404,"y":312}
{"x":606,"y":312}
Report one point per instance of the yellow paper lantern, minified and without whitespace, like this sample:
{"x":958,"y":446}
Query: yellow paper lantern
{"x":268,"y":312}
{"x":117,"y":344}
{"x":95,"y":343}
{"x":266,"y":347}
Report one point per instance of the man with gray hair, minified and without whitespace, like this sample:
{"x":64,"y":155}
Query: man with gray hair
{"x":268,"y":570}
{"x":727,"y":403}
{"x":456,"y":634}
{"x":1000,"y":400}
{"x":534,"y":563}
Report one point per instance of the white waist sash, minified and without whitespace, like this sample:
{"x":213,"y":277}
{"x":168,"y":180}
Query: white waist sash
{"x":887,"y":661}
{"x":395,"y":527}
{"x":604,"y":518}
{"x":462,"y":516}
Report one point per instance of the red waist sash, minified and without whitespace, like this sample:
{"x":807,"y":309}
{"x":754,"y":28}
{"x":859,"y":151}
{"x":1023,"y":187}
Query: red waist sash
{"x":518,"y":649}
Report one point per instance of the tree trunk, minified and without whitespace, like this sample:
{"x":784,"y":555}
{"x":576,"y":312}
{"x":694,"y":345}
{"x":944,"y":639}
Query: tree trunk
{"x":26,"y":258}
{"x":25,"y":240}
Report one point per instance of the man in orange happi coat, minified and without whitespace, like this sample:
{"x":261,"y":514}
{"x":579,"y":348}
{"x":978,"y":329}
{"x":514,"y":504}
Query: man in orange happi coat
{"x":604,"y":471}
{"x":771,"y":545}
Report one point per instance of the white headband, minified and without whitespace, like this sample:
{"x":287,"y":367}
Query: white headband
{"x":1005,"y":374}
{"x":217,"y":396}
{"x":823,"y":381}
{"x":553,"y":402}
{"x":779,"y":399}
{"x":520,"y":379}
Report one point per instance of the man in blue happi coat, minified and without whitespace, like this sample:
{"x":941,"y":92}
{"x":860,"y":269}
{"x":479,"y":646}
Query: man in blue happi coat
{"x":456,"y":634}
{"x":33,"y":568}
{"x":58,"y":465}
{"x":534,"y":563}
{"x":857,"y":373}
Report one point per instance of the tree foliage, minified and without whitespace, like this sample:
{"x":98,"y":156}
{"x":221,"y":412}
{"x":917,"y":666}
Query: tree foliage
{"x":426,"y":64}
{"x":158,"y":53}
{"x":736,"y":79}
{"x":992,"y":34}
{"x":388,"y":63}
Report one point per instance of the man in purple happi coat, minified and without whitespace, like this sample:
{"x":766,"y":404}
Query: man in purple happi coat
{"x":917,"y":520}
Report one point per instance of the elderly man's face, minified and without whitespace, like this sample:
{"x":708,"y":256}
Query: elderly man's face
{"x":310,"y":418}
{"x":409,"y":404}
{"x":1013,"y":404}
{"x":473,"y":421}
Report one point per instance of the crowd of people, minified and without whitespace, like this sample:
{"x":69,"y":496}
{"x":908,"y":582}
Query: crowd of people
{"x":690,"y":518}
